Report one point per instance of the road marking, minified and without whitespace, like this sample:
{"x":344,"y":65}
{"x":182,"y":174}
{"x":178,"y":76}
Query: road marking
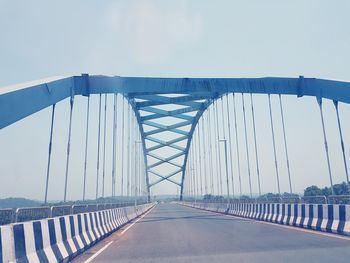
{"x":109,"y":243}
{"x":126,"y":229}
{"x":98,"y":253}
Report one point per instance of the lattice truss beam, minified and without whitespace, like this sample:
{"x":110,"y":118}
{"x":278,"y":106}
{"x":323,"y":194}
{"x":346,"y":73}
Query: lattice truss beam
{"x":167,"y":124}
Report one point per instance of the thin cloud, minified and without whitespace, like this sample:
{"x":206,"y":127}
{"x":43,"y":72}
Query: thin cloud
{"x":152,"y":31}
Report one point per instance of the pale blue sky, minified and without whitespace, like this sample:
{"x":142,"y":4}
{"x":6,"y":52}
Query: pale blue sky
{"x":171,"y":38}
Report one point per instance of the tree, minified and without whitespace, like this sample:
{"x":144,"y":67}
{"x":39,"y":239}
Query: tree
{"x":341,"y":189}
{"x":313,"y":191}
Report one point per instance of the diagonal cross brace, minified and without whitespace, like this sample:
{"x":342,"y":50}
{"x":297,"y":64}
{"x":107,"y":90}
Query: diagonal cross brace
{"x":163,"y":178}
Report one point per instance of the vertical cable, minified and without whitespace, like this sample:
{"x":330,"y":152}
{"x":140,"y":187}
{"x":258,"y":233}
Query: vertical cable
{"x":122,"y":161}
{"x":246,"y":146}
{"x":216,"y":152}
{"x":68,"y":146}
{"x":50,"y":150}
{"x":199,"y":158}
{"x":255,"y":144}
{"x":274,"y":146}
{"x":326,"y":144}
{"x":237,"y":146}
{"x":342,"y":144}
{"x":128,"y":157}
{"x":104,"y":148}
{"x":133,"y":151}
{"x":193,"y":171}
{"x":191,"y":175}
{"x":225,"y":147}
{"x":210,"y":154}
{"x":98,"y":144}
{"x":135,"y":170}
{"x":285,"y":144}
{"x":230,"y":144}
{"x":196,"y":169}
{"x":114,"y":143}
{"x":140,"y":166}
{"x":204,"y":158}
{"x":218,"y":138}
{"x":86,"y":145}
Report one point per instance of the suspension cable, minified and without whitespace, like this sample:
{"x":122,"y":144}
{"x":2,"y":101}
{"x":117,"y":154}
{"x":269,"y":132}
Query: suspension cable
{"x":210,"y":154}
{"x":204,"y":157}
{"x":86,"y":145}
{"x":104,"y":148}
{"x":274,"y":145}
{"x":98,"y":145}
{"x":122,"y":155}
{"x":326,"y":144}
{"x":216,"y":151}
{"x":237,"y":145}
{"x":199,"y":158}
{"x":128,"y":157}
{"x":230,"y":144}
{"x":225,"y":147}
{"x":285,"y":144}
{"x":194,"y":173}
{"x":246,"y":145}
{"x":194,"y":152}
{"x":50,"y":150}
{"x":342,"y":144}
{"x":218,"y":138}
{"x":140,"y":165}
{"x":68,"y":145}
{"x":135,"y":168}
{"x":115,"y":118}
{"x":255,"y":144}
{"x":188,"y":176}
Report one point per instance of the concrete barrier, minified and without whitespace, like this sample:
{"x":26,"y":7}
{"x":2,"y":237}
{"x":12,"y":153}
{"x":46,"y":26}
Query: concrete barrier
{"x":60,"y":239}
{"x":332,"y":218}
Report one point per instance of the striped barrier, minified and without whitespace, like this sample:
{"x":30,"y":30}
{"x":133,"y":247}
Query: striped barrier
{"x":62,"y":238}
{"x":330,"y":218}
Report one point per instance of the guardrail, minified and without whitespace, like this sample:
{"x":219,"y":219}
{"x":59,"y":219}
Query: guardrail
{"x":319,"y":199}
{"x":9,"y":215}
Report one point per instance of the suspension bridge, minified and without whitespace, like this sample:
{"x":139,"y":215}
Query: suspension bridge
{"x":200,"y":135}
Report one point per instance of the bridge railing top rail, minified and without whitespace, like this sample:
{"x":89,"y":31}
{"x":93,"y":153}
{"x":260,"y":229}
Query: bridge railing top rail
{"x":10,"y":215}
{"x":319,"y":199}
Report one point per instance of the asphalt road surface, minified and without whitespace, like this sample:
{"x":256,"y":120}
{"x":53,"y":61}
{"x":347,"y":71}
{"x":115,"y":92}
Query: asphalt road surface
{"x":174,"y":233}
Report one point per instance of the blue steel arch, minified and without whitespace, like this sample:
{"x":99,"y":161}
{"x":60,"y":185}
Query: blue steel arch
{"x":148,"y":104}
{"x":17,"y":102}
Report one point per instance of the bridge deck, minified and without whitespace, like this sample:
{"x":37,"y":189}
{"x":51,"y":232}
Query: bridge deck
{"x":173,"y":233}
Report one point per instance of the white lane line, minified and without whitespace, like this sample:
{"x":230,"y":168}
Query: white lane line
{"x":109,"y":243}
{"x":98,"y":253}
{"x":126,"y":229}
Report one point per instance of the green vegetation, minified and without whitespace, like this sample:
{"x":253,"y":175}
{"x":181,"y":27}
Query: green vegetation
{"x":339,"y":189}
{"x":18,"y":202}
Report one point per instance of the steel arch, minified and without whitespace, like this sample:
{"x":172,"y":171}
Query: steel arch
{"x":145,"y":94}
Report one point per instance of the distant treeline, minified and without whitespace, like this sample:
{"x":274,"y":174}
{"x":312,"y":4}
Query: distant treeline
{"x":18,"y":202}
{"x":313,"y":190}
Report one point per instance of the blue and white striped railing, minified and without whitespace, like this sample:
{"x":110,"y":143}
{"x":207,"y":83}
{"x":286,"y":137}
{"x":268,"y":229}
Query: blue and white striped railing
{"x":322,"y":217}
{"x":62,"y":238}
